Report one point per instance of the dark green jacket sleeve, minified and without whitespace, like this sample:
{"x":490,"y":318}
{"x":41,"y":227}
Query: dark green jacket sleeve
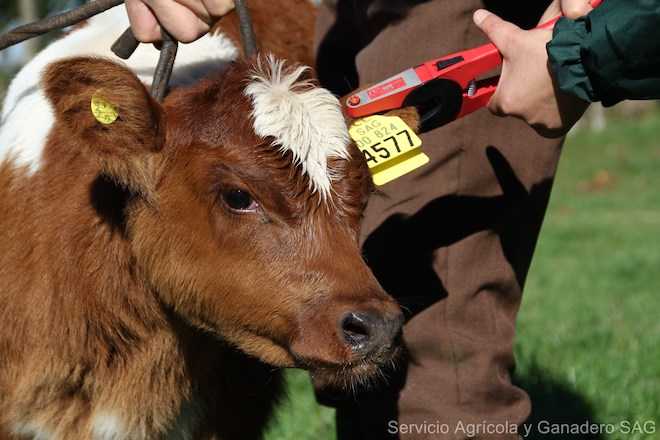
{"x":610,"y":55}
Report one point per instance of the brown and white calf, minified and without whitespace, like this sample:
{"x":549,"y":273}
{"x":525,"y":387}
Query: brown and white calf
{"x":153,"y":270}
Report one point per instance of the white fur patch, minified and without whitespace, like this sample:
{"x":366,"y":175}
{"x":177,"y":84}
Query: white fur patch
{"x":106,"y":426}
{"x":24,"y":130}
{"x":31,"y":430}
{"x":301,"y":118}
{"x":27,"y":116}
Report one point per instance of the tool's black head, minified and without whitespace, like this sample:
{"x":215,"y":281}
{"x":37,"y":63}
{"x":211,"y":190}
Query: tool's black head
{"x":438,"y":103}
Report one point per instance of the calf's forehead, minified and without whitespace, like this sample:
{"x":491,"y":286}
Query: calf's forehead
{"x":280,"y":124}
{"x":300,"y":118}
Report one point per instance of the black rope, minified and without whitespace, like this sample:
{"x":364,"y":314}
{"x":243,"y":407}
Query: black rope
{"x":126,"y":44}
{"x":165,"y":65}
{"x":248,"y":38}
{"x":58,"y":21}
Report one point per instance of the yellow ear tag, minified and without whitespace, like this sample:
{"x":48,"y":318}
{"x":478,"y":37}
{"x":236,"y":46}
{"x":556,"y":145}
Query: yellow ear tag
{"x":103,"y":110}
{"x":390,"y":147}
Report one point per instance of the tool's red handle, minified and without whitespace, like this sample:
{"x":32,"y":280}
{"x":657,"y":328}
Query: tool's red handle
{"x":488,"y":57}
{"x":482,"y":59}
{"x":461,"y":67}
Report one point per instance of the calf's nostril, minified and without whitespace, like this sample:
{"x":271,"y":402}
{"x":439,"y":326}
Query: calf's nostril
{"x":355,"y":330}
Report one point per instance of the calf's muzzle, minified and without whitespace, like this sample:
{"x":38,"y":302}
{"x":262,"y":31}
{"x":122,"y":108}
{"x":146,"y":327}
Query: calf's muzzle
{"x":369,"y":333}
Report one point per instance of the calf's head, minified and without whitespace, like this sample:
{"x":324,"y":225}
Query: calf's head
{"x":244,"y":197}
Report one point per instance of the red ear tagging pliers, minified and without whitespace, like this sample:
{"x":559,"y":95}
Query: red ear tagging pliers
{"x":442,"y":89}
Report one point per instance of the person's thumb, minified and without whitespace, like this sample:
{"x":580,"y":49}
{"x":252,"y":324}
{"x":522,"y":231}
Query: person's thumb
{"x":497,"y":30}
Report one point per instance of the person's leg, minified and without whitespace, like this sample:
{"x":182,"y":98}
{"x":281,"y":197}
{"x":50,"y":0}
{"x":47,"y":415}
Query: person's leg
{"x":452,"y":242}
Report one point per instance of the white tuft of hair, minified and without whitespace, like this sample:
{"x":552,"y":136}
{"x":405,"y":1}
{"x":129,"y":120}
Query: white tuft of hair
{"x":106,"y":426}
{"x":301,"y":118}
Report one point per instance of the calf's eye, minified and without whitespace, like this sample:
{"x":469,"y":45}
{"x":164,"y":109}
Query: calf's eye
{"x":239,"y":200}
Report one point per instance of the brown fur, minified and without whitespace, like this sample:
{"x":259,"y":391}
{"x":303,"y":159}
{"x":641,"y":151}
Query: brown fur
{"x":285,"y":29}
{"x":127,"y":285}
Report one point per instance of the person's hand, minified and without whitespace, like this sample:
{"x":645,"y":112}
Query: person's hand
{"x":186,"y":20}
{"x":527,"y":89}
{"x":572,"y":9}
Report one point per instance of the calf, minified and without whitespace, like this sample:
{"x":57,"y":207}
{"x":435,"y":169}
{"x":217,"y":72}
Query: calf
{"x":154,"y":269}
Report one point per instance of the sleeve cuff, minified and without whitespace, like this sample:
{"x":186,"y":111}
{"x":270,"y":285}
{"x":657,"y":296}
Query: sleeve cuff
{"x":565,"y":56}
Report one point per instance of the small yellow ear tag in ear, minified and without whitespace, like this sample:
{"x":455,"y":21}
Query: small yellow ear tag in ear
{"x":103,"y":110}
{"x":390,"y":147}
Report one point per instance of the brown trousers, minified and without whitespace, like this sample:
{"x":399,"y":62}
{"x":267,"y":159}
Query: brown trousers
{"x":452,"y":241}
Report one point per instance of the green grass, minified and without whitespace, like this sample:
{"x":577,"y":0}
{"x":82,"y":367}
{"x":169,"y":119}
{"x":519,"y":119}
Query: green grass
{"x":589,"y":328}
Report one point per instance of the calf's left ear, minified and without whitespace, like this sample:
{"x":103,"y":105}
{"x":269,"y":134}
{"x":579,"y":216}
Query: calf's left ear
{"x":105,"y":110}
{"x":410,"y":116}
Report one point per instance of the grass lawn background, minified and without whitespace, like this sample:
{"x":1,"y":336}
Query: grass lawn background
{"x":589,"y":328}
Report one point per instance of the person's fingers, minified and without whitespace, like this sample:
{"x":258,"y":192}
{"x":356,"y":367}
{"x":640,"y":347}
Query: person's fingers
{"x":197,"y":7}
{"x":553,"y":11}
{"x":494,"y":106}
{"x":501,"y":104}
{"x":186,"y":20}
{"x":143,"y":22}
{"x":501,"y":33}
{"x":218,"y":8}
{"x":498,"y":31}
{"x":179,"y":20}
{"x":574,"y":9}
{"x":208,"y":10}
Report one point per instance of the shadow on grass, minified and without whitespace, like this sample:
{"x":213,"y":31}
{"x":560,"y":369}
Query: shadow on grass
{"x":555,"y":405}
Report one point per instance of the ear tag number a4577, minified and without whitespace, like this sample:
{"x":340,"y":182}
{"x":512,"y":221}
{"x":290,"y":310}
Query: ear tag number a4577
{"x":390,"y":147}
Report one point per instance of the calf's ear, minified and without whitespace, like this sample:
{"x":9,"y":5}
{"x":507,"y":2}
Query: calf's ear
{"x":410,"y":116}
{"x":104,"y":109}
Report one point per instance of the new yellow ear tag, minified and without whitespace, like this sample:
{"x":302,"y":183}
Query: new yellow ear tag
{"x":390,"y":147}
{"x":103,"y":110}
